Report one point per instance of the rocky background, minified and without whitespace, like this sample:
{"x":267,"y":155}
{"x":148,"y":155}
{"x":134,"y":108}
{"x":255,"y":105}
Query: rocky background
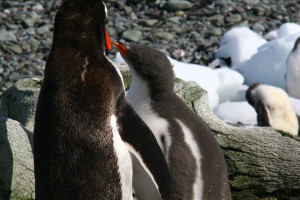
{"x":186,"y":30}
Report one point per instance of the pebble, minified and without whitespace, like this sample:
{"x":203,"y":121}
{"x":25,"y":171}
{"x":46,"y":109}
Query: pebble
{"x":42,"y":30}
{"x":165,"y":36}
{"x":234,"y":19}
{"x":178,"y":5}
{"x":258,"y":27}
{"x":14,"y":76}
{"x":7,"y":36}
{"x":132,"y":35}
{"x":253,"y":2}
{"x":216,"y":31}
{"x":174,"y":19}
{"x":149,"y":22}
{"x":16,"y":49}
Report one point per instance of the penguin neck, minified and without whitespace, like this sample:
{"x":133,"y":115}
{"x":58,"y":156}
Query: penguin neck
{"x":139,"y":91}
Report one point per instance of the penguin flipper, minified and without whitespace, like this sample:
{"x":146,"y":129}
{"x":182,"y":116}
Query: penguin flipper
{"x":263,"y":115}
{"x":143,"y":145}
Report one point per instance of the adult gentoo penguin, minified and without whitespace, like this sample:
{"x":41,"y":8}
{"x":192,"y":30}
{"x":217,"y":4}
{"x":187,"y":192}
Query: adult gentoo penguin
{"x":273,"y":107}
{"x":85,"y":127}
{"x":194,"y":157}
{"x":292,"y":77}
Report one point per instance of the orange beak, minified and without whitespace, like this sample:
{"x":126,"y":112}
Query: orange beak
{"x":121,"y":48}
{"x":108,"y":44}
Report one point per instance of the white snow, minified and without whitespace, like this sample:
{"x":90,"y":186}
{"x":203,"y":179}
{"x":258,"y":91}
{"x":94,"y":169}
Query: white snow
{"x":239,"y":44}
{"x":284,"y":30}
{"x":288,"y":29}
{"x":236,"y":113}
{"x":269,"y":63}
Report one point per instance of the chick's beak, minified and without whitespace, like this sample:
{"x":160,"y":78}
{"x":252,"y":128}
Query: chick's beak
{"x":108,"y":44}
{"x":121,"y":47}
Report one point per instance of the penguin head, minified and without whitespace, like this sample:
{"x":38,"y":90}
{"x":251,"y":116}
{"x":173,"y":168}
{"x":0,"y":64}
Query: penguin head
{"x":251,"y":98}
{"x":83,"y":19}
{"x":150,"y":64}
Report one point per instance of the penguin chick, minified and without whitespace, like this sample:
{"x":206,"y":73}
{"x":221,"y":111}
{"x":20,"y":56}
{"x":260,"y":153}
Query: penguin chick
{"x":194,"y":157}
{"x":273,"y":107}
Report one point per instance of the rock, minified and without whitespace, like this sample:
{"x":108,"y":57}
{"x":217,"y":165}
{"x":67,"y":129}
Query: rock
{"x":149,"y":22}
{"x":15,"y":48}
{"x":216,"y":31}
{"x":38,"y":7}
{"x":132,"y":35}
{"x":32,"y":19}
{"x":125,"y":71}
{"x":252,"y":2}
{"x":7,"y":36}
{"x":19,"y":101}
{"x":234,"y":19}
{"x":178,"y":53}
{"x":165,"y":36}
{"x":258,"y":27}
{"x":14,"y":76}
{"x":16,"y":161}
{"x":42,"y":30}
{"x":216,"y":18}
{"x":174,"y":19}
{"x":178,"y":5}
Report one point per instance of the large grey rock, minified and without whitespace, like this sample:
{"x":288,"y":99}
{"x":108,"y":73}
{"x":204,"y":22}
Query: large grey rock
{"x":262,"y":162}
{"x":16,"y":161}
{"x":19,"y":101}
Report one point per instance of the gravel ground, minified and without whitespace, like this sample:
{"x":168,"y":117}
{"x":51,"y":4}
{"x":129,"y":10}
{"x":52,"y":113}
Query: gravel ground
{"x":186,"y":30}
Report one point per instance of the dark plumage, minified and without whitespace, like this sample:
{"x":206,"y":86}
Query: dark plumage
{"x":81,"y":114}
{"x":188,"y":144}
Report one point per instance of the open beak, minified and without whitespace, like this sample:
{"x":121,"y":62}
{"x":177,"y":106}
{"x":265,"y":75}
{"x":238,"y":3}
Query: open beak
{"x":108,"y":44}
{"x":121,"y":47}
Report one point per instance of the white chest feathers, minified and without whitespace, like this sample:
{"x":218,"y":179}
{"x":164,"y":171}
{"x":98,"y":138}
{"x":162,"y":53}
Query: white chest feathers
{"x":139,"y":98}
{"x":124,"y":161}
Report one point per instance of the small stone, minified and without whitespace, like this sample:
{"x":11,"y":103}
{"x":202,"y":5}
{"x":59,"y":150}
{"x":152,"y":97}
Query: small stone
{"x":233,"y":19}
{"x":165,"y":36}
{"x":174,"y":19}
{"x":16,"y":49}
{"x":178,"y":53}
{"x":32,"y":19}
{"x":149,"y":22}
{"x":14,"y":76}
{"x":258,"y":27}
{"x":42,"y":30}
{"x":7,"y":36}
{"x":216,"y":18}
{"x":38,"y":7}
{"x":8,"y":84}
{"x":216,"y":31}
{"x":252,"y":2}
{"x":178,"y":5}
{"x":26,"y":47}
{"x":132,"y":35}
{"x":7,"y":11}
